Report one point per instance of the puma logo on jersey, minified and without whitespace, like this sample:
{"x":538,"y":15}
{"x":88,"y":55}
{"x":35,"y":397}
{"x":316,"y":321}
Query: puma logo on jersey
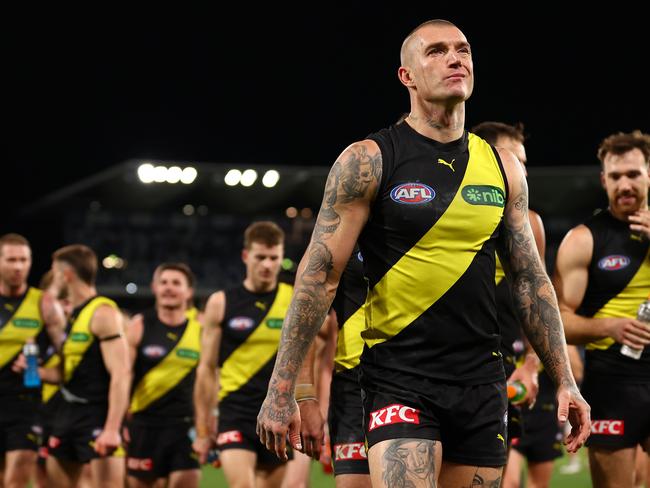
{"x":261,"y":305}
{"x":451,"y":165}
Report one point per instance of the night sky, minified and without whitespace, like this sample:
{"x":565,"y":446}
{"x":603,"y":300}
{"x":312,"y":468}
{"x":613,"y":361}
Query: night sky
{"x":279,"y":86}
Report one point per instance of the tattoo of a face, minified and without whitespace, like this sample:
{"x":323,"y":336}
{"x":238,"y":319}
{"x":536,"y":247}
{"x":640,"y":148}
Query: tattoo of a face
{"x":483,"y":482}
{"x":533,"y":295}
{"x":409,"y":463}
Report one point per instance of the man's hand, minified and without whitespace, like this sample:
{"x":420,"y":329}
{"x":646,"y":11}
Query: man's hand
{"x":629,"y":331}
{"x":528,"y":375}
{"x":107,"y":442}
{"x":202,"y":446}
{"x":640,"y":222}
{"x":278,"y":417}
{"x":574,"y":408}
{"x":311,"y":428}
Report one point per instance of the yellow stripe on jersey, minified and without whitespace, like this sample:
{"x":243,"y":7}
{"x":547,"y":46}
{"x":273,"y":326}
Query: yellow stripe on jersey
{"x":349,"y":344}
{"x":25,"y":323}
{"x":432,"y":266}
{"x":169,"y":372}
{"x":258,"y":349}
{"x":80,"y":337}
{"x":625,"y":304}
{"x":499,"y":274}
{"x":50,"y":389}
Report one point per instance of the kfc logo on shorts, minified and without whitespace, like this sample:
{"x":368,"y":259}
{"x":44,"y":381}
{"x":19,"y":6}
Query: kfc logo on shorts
{"x":355,"y":451}
{"x":614,"y":262}
{"x":394,"y":414}
{"x":137,"y":464}
{"x":229,"y":437}
{"x":608,"y":427}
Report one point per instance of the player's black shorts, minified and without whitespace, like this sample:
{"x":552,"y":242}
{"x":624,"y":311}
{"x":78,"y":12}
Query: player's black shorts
{"x":620,"y":415}
{"x":156,"y":449}
{"x":19,"y":423}
{"x":237,"y":431}
{"x":515,"y":423}
{"x":469,"y":421}
{"x":542,"y":439}
{"x":47,"y":414}
{"x":345,"y":420}
{"x":76,"y":426}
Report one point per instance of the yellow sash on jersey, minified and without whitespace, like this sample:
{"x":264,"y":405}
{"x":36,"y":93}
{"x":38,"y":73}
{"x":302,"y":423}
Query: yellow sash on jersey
{"x":499,"y":273}
{"x":441,"y":257}
{"x":80,"y":337}
{"x":625,"y":304}
{"x":25,"y":323}
{"x":49,"y":389}
{"x":258,"y":349}
{"x":175,"y":366}
{"x":349,"y":344}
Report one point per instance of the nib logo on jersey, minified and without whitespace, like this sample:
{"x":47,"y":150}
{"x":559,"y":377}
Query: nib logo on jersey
{"x":608,"y":427}
{"x":394,"y":414}
{"x":613,"y":262}
{"x":412,"y":193}
{"x":355,"y":451}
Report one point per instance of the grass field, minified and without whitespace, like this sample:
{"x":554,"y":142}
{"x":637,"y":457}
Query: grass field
{"x":214,"y":477}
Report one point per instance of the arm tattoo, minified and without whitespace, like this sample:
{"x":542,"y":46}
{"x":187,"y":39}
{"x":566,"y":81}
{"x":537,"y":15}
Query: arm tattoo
{"x":485,"y":483}
{"x":532,"y":291}
{"x":409,"y":463}
{"x":349,"y":180}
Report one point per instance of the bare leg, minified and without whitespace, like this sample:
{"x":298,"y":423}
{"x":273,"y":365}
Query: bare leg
{"x":353,"y":481}
{"x":108,"y":472}
{"x":184,"y":478}
{"x":239,"y":467}
{"x":612,"y":468}
{"x":62,"y":474}
{"x":512,"y":472}
{"x":19,"y":466}
{"x":405,"y":462}
{"x":453,"y":474}
{"x":270,"y":477}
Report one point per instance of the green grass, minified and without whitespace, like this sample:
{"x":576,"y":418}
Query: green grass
{"x":214,"y":477}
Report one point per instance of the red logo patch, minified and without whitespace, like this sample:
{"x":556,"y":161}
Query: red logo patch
{"x":355,"y":451}
{"x":138,"y":464}
{"x":53,"y":442}
{"x":229,"y":437}
{"x":394,"y":414}
{"x":608,"y":427}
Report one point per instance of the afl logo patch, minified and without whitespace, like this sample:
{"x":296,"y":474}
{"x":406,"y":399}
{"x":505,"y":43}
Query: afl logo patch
{"x":241,"y":323}
{"x":412,"y":193}
{"x":154,"y":351}
{"x":613,"y":262}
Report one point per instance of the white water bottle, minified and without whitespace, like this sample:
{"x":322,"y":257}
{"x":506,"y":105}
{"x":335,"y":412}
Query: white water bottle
{"x":643,"y":315}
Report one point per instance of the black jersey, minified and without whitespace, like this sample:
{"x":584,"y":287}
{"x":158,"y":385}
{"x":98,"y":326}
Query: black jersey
{"x":250,"y":336}
{"x":350,"y":314}
{"x":429,"y":256}
{"x":165,"y":369}
{"x":619,"y":281}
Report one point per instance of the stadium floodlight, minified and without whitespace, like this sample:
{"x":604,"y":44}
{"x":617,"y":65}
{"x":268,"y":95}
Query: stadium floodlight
{"x":131,"y":288}
{"x":174,"y":174}
{"x":160,"y":174}
{"x":146,"y":173}
{"x":189,"y":175}
{"x":248,"y":177}
{"x":233,"y":177}
{"x":292,"y":212}
{"x":271,"y":178}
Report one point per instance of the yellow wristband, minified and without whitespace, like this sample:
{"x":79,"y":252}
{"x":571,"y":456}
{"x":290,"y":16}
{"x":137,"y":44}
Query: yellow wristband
{"x":305,"y":391}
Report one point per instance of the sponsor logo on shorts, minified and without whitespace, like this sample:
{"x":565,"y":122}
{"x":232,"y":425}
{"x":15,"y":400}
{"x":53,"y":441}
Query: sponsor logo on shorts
{"x":394,"y":414}
{"x":355,"y":451}
{"x":53,"y":442}
{"x":139,"y":464}
{"x":608,"y":427}
{"x":241,"y":323}
{"x":154,"y":351}
{"x":483,"y":195}
{"x":229,"y":437}
{"x":412,"y":193}
{"x":614,"y":262}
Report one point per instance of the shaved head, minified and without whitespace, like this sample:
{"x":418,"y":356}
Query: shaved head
{"x":406,"y":50}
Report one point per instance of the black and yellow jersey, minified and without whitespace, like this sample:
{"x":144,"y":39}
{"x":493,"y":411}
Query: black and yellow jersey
{"x":350,"y":315}
{"x":20,"y":320}
{"x":250,"y":336}
{"x":429,"y":256}
{"x":165,"y":370}
{"x":85,"y":377}
{"x":512,"y":339}
{"x":619,"y":281}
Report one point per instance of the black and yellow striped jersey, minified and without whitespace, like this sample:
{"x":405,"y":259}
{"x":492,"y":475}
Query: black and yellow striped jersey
{"x":250,"y":336}
{"x":619,"y":281}
{"x":429,"y":255}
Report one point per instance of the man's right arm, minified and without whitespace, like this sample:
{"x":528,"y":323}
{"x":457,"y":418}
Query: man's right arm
{"x":571,"y":278}
{"x":350,"y":189}
{"x":205,"y":386}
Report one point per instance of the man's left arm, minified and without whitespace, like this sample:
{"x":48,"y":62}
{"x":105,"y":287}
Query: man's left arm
{"x":536,"y":303}
{"x":107,"y":325}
